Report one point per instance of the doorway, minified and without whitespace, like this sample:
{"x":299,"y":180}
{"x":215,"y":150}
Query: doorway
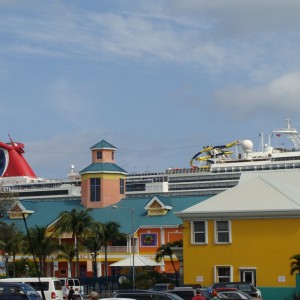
{"x":248,"y":275}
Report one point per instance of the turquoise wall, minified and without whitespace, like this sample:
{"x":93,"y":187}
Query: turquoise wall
{"x":275,"y":293}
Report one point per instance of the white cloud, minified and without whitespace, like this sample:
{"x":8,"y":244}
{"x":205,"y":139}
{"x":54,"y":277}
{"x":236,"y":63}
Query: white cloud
{"x":202,"y":34}
{"x":279,"y":95}
{"x":242,"y":17}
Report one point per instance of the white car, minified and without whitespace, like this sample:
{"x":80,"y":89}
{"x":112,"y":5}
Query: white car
{"x":238,"y":295}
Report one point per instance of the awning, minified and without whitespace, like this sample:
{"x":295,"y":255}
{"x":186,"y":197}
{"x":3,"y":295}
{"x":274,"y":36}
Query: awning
{"x":139,"y":261}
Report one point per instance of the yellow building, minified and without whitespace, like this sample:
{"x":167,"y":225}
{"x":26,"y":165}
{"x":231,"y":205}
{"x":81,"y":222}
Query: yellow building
{"x":247,"y":233}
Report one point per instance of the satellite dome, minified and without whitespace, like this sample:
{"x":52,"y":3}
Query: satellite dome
{"x":247,"y":146}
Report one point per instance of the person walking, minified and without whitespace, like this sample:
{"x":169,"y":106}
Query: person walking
{"x":198,"y":295}
{"x":71,"y":293}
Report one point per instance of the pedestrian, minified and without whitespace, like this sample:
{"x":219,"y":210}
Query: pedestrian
{"x":214,"y":295}
{"x":93,"y":295}
{"x":198,"y":295}
{"x":71,"y":293}
{"x":66,"y":292}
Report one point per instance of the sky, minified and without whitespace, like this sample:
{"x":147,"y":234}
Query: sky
{"x":158,"y":79}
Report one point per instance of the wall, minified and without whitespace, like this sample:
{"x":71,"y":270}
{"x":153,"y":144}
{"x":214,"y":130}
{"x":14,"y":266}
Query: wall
{"x":266,"y":245}
{"x":110,"y":190}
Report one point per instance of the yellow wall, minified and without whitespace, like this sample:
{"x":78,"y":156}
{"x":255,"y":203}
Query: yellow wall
{"x":265,"y":244}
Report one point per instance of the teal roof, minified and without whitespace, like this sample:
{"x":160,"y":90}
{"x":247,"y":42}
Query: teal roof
{"x":47,"y":211}
{"x":103,"y":168}
{"x":103,"y":145}
{"x":122,"y":214}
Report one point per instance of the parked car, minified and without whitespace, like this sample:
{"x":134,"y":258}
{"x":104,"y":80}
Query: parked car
{"x":50,"y":286}
{"x":145,"y":295}
{"x":241,"y":286}
{"x":186,"y":293}
{"x":118,"y":299}
{"x":222,"y":289}
{"x":163,"y":287}
{"x":238,"y":295}
{"x":18,"y":291}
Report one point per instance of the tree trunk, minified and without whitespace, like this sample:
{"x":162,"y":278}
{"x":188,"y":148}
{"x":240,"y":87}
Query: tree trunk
{"x":105,"y":262}
{"x":77,"y":257}
{"x":176,"y":274}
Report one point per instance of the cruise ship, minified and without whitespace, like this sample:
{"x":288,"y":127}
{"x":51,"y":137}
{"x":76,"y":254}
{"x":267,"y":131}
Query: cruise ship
{"x":17,"y":177}
{"x":215,"y":169}
{"x":212,"y":170}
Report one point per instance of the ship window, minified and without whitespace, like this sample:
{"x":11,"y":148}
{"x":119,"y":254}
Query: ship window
{"x":95,"y":189}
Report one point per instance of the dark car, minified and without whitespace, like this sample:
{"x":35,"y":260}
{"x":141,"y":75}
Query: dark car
{"x":163,"y":287}
{"x":145,"y":295}
{"x":186,"y":293}
{"x":18,"y":291}
{"x":246,"y":287}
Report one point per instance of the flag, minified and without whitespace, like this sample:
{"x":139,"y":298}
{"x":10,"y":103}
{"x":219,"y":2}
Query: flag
{"x":278,"y":134}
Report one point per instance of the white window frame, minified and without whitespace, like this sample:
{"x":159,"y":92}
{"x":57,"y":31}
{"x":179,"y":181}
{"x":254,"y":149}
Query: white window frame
{"x":216,"y":232}
{"x":251,"y":270}
{"x":216,"y":274}
{"x":193,"y":241}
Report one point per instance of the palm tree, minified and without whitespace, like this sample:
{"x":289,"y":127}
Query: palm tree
{"x":12,"y":240}
{"x":166,"y":250}
{"x":111,"y":232}
{"x":67,"y":251}
{"x":78,"y":222}
{"x":42,"y":244}
{"x":295,"y":264}
{"x":93,"y":242}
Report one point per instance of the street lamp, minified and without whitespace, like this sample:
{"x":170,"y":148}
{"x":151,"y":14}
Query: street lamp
{"x":6,"y":257}
{"x":132,"y":240}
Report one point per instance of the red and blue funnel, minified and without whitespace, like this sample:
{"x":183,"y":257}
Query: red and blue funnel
{"x":12,"y":162}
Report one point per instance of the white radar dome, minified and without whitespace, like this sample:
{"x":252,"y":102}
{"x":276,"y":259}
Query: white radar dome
{"x":247,"y":146}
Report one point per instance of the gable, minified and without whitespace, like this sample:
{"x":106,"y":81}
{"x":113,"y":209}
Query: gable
{"x":17,"y":211}
{"x":156,"y":207}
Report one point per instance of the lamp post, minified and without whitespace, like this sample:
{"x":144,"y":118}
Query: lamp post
{"x":6,"y":257}
{"x":132,"y":240}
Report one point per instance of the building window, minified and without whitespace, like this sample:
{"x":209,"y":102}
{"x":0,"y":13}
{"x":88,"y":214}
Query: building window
{"x":122,"y":186}
{"x":222,"y":232}
{"x":223,"y":273}
{"x":99,"y":154}
{"x":113,"y":155}
{"x":199,"y":232}
{"x":95,"y":188}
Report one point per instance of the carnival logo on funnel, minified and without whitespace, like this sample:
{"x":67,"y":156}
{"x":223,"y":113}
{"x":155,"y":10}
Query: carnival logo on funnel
{"x":12,"y":162}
